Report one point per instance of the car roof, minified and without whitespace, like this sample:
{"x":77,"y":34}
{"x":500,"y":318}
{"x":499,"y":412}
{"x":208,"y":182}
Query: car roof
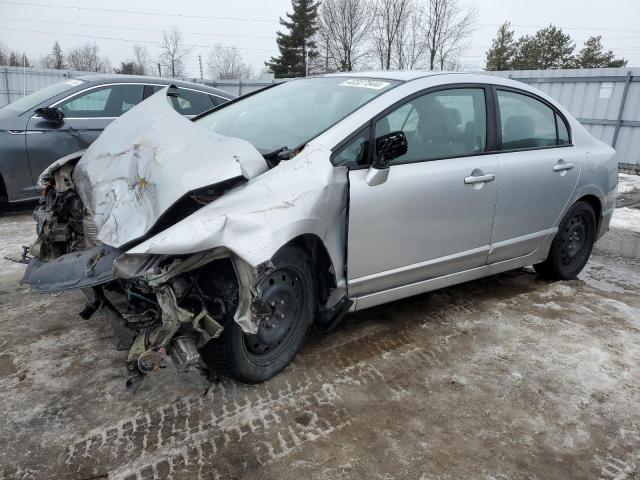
{"x":98,"y":78}
{"x":401,"y":75}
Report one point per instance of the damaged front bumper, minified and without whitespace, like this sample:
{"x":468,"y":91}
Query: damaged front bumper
{"x":72,"y":271}
{"x":166,"y":313}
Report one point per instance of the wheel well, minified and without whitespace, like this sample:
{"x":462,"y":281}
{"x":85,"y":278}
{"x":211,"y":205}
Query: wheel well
{"x":321,"y":262}
{"x":596,"y":205}
{"x":3,"y":190}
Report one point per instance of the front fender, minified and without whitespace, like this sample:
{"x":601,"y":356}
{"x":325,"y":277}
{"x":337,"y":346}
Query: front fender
{"x":300,"y":196}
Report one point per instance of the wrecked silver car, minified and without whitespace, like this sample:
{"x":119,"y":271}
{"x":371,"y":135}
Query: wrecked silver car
{"x":218,"y":241}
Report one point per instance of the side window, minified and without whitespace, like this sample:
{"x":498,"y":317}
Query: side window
{"x":190,"y":102}
{"x":355,"y":153}
{"x":111,"y":101}
{"x":447,"y":123}
{"x":529,"y":123}
{"x":563,"y":131}
{"x":217,"y":100}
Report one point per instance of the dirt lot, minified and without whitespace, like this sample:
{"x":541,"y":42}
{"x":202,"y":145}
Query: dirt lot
{"x":507,"y":377}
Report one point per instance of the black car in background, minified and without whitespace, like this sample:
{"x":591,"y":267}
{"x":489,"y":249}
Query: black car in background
{"x":68,"y":116}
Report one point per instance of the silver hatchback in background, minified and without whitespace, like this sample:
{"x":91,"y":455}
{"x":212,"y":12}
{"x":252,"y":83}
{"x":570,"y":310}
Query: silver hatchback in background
{"x":229,"y":235}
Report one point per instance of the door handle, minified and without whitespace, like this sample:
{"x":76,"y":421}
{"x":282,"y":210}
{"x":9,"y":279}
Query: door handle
{"x":562,"y":166}
{"x":489,"y":177}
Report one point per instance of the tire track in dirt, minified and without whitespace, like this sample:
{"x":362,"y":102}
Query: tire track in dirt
{"x":138,"y":446}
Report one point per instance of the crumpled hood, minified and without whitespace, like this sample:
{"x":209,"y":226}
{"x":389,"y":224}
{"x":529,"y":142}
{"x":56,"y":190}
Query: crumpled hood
{"x":147,"y":160}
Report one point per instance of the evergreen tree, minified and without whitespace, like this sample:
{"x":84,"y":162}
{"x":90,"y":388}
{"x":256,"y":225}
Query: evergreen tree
{"x":593,"y":55}
{"x":16,"y":59}
{"x":503,"y":50}
{"x":549,"y":48}
{"x":294,"y":45}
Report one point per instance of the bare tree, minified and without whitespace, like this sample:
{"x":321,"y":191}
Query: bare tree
{"x":389,"y":19}
{"x":226,"y":63}
{"x":4,"y":55}
{"x":448,"y":31}
{"x":55,"y":59}
{"x":343,"y":32}
{"x":142,"y":59}
{"x":173,"y":52}
{"x":85,"y":58}
{"x":411,"y":45}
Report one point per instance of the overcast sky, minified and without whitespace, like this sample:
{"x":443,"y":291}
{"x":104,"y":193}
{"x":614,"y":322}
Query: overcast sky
{"x":250,"y":25}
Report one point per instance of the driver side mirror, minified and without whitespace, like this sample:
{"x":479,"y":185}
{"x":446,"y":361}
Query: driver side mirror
{"x":388,"y":147}
{"x":51,"y":114}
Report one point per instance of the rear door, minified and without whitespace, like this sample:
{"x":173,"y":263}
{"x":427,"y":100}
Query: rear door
{"x":433,"y":215}
{"x":539,"y":170}
{"x":87,"y":113}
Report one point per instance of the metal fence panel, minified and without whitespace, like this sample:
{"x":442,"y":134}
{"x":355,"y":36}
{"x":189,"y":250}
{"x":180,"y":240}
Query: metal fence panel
{"x":15,"y":82}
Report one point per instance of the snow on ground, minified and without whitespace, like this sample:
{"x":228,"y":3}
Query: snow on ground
{"x":627,"y":219}
{"x":628,"y":183}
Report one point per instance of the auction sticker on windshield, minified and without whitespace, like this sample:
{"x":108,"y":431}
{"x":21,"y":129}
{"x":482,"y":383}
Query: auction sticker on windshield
{"x":365,"y":83}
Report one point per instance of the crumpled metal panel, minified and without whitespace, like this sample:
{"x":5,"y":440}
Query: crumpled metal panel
{"x":72,"y":271}
{"x":304,"y":195}
{"x":147,"y":160}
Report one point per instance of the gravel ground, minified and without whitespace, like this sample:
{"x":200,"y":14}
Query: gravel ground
{"x":506,"y":377}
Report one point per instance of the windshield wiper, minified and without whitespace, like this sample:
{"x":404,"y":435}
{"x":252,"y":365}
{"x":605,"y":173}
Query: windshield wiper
{"x":282,"y":153}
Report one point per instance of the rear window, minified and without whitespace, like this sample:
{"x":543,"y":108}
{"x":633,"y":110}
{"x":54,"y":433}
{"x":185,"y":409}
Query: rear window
{"x":529,"y":123}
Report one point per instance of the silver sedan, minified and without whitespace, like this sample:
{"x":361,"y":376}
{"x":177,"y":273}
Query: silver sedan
{"x":230,"y":234}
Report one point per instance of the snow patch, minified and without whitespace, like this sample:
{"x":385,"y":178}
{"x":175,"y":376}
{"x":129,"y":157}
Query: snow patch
{"x":628,"y":183}
{"x":626,"y":219}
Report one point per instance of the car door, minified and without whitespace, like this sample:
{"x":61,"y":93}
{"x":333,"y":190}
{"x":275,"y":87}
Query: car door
{"x":86,"y":114}
{"x":539,"y":170}
{"x":433,"y":214}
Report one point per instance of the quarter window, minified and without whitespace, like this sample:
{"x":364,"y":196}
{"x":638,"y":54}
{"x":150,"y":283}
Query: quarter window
{"x":529,"y":123}
{"x":447,"y":123}
{"x":190,"y":102}
{"x":111,"y":101}
{"x":355,"y":153}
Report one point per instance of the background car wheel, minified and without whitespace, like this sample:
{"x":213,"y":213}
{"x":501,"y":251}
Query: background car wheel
{"x":289,"y":291}
{"x":572,"y":246}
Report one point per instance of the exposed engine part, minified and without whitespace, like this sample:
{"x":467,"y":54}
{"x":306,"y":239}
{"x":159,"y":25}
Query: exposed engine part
{"x":184,"y":353}
{"x":207,"y":327}
{"x":62,"y":223}
{"x":151,"y":360}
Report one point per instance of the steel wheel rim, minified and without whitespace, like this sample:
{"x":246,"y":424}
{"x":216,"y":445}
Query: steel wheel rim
{"x":283,"y":292}
{"x":573,"y":242}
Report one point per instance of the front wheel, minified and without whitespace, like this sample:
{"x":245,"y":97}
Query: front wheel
{"x":289,"y":292}
{"x":572,"y":246}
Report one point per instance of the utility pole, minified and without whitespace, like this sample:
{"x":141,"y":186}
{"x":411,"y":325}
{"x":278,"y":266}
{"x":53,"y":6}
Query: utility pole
{"x":201,"y":73}
{"x":326,"y":58}
{"x":24,"y":74}
{"x":159,"y":70}
{"x":306,"y":61}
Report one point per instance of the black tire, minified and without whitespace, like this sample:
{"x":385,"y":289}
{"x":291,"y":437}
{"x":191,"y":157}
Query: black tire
{"x":256,"y":358}
{"x":572,"y":246}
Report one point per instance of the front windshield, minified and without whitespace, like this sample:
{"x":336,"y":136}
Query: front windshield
{"x":36,"y":98}
{"x":291,"y":114}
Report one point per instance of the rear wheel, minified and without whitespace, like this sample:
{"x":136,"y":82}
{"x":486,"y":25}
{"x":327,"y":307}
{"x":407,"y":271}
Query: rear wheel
{"x":289,"y":292}
{"x":572,"y":246}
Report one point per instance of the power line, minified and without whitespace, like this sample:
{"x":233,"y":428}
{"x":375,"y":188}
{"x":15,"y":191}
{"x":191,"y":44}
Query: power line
{"x":136,"y":12}
{"x":600,"y":29}
{"x":122,"y":27}
{"x":100,"y":37}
